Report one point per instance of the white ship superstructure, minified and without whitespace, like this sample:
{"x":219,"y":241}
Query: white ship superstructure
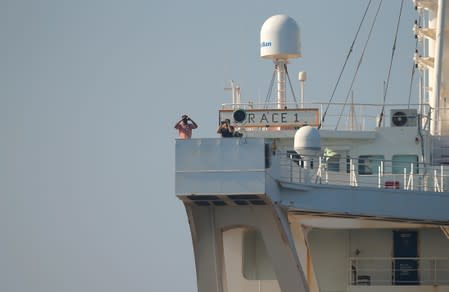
{"x":294,"y":204}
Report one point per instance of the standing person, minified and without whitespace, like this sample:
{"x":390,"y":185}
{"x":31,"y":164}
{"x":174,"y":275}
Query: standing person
{"x":225,"y":129}
{"x":185,"y":126}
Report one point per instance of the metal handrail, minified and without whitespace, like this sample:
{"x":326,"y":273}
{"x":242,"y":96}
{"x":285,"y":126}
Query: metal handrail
{"x":417,"y":176}
{"x":386,"y":270}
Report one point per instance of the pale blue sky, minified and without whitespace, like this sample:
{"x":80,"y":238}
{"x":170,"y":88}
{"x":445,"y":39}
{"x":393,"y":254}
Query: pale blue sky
{"x":89,"y":93}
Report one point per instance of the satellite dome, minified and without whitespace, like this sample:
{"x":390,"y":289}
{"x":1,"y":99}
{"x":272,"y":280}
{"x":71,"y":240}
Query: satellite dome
{"x":279,"y":38}
{"x":307,"y":141}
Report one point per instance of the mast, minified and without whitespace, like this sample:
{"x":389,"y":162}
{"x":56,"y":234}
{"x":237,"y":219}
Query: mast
{"x":280,"y":41}
{"x":436,"y":62}
{"x":280,"y":70}
{"x":439,"y":43}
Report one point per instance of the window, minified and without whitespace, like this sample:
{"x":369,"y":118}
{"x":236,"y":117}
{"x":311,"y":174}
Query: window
{"x":401,"y":162}
{"x":333,"y":163}
{"x":332,"y":159}
{"x":293,"y":156}
{"x":296,"y":158}
{"x":267,"y":156}
{"x":369,"y":164}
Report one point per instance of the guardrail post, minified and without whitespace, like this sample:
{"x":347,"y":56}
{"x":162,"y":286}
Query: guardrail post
{"x":393,"y":265}
{"x":378,"y":175}
{"x":291,"y":170}
{"x":350,"y":277}
{"x":405,"y":179}
{"x":434,"y":272}
{"x":436,"y":187}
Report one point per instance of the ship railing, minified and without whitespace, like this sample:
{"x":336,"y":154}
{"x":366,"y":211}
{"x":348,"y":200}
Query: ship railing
{"x":393,"y":271}
{"x":352,"y":117}
{"x":361,"y":171}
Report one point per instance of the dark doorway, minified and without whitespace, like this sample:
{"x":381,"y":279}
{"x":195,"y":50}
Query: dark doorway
{"x":405,"y":246}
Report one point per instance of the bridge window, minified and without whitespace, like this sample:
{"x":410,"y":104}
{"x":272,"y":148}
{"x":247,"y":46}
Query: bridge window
{"x":333,"y":163}
{"x":293,"y":156}
{"x":401,"y":162}
{"x":369,"y":164}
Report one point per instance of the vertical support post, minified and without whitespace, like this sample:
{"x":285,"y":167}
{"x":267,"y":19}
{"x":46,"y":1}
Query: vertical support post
{"x":208,"y":248}
{"x":302,"y":76}
{"x":302,"y":93}
{"x":380,"y":173}
{"x":234,"y":95}
{"x":435,"y":181}
{"x":280,"y":70}
{"x":352,"y":181}
{"x":350,"y":172}
{"x":434,"y":271}
{"x":299,"y":234}
{"x":352,"y":176}
{"x":435,"y":128}
{"x":393,"y":264}
{"x":378,"y":177}
{"x":405,"y":178}
{"x":291,"y":169}
{"x":327,"y":172}
{"x":307,"y":170}
{"x":207,"y":224}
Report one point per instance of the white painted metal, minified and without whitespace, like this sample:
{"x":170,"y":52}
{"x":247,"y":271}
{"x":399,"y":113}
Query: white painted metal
{"x":315,"y":233}
{"x":281,"y":89}
{"x":302,"y":76}
{"x":434,"y":61}
{"x":235,"y":91}
{"x":439,"y":47}
{"x":280,"y":38}
{"x":307,"y":142}
{"x":234,"y":251}
{"x":209,"y":225}
{"x":264,"y":118}
{"x":300,"y":235}
{"x":280,"y":41}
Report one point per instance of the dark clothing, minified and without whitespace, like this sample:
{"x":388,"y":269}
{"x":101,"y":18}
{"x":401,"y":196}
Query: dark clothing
{"x":226,"y":133}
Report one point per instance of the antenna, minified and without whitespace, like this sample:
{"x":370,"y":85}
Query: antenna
{"x":280,"y":41}
{"x":302,"y":76}
{"x":235,"y":89}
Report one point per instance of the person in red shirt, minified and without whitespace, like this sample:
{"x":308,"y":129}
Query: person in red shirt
{"x":185,"y":126}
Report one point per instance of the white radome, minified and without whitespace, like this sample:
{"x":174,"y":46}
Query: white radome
{"x":280,"y":38}
{"x":307,"y":142}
